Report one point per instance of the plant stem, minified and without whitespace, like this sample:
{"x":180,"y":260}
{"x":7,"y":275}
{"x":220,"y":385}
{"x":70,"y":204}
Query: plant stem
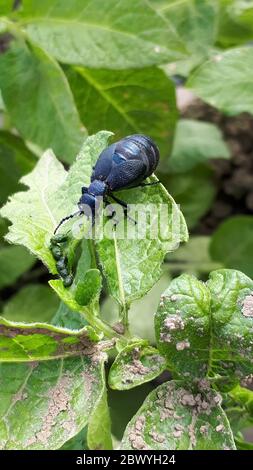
{"x":124,"y":307}
{"x":100,"y":325}
{"x":95,"y":319}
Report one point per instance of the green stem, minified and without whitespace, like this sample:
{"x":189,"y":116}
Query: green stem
{"x":93,"y":255}
{"x":95,"y":320}
{"x":102,"y":326}
{"x":124,"y":306}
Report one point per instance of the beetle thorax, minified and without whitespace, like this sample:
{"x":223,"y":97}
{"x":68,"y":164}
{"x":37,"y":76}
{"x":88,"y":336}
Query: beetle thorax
{"x":97,"y":188}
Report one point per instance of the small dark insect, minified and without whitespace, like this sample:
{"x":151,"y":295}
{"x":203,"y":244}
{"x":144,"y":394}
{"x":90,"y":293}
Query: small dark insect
{"x":124,"y":164}
{"x":61,"y":259}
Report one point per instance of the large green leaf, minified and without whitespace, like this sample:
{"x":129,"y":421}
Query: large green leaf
{"x":67,"y":318}
{"x":125,"y":261}
{"x":196,"y":142}
{"x":127,"y":102}
{"x":182,"y":326}
{"x":232,"y":322}
{"x":53,"y":194}
{"x":232,"y":244}
{"x":225,"y":81}
{"x":32,"y":303}
{"x":5,"y":6}
{"x":235,"y":22}
{"x":27,"y":342}
{"x":101,"y":34}
{"x":244,"y":397}
{"x":99,"y":424}
{"x":14,"y":261}
{"x":194,"y":191}
{"x":206,"y":329}
{"x":173,"y":417}
{"x":97,"y":434}
{"x":15,"y":161}
{"x":39,"y":101}
{"x":195,"y":21}
{"x":43,"y":405}
{"x":136,"y":364}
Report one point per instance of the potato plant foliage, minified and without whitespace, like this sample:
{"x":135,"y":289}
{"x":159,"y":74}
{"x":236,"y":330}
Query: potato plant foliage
{"x":167,"y":320}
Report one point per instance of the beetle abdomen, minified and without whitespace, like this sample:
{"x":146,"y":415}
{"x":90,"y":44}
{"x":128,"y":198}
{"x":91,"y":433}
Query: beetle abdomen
{"x":127,"y":162}
{"x":138,"y":146}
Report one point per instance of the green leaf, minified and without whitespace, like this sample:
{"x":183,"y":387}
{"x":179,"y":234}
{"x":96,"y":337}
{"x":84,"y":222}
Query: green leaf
{"x":67,"y":318}
{"x":206,"y":329}
{"x":195,"y":142}
{"x":194,"y":257}
{"x":99,"y":424}
{"x":232,"y":68}
{"x":52,"y":195}
{"x":195,"y":21}
{"x":235,"y":23}
{"x":32,"y":303}
{"x":194,"y":191}
{"x":232,"y":322}
{"x":14,"y":261}
{"x":5,"y":7}
{"x":100,"y":34}
{"x":46,"y":114}
{"x":244,"y":397}
{"x":127,"y":102}
{"x":78,"y":442}
{"x":232,"y":244}
{"x":182,"y":326}
{"x":15,"y":161}
{"x":127,"y":261}
{"x":3,"y":230}
{"x":27,"y":342}
{"x":136,"y":364}
{"x":123,"y":407}
{"x":88,"y":290}
{"x":175,"y":418}
{"x":43,"y":405}
{"x":241,"y":444}
{"x":97,"y":435}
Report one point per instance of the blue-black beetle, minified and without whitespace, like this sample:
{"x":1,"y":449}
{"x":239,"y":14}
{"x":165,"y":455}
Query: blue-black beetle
{"x":124,"y":164}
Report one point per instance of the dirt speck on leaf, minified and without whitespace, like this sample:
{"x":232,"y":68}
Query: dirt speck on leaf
{"x":136,"y":434}
{"x":204,"y":429}
{"x":181,"y":345}
{"x":157,"y":437}
{"x":219,"y":428}
{"x":247,"y":306}
{"x":58,"y":402}
{"x":173,"y":322}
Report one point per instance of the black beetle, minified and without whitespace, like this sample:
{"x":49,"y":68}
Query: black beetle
{"x":124,"y":164}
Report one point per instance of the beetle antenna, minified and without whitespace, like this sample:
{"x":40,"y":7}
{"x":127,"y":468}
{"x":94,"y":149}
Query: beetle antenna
{"x":67,"y":218}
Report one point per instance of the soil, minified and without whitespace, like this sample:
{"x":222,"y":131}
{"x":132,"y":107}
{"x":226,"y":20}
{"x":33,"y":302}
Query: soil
{"x":233,"y":178}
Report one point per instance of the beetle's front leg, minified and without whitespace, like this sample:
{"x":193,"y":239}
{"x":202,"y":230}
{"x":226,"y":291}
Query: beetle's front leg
{"x":123,"y":204}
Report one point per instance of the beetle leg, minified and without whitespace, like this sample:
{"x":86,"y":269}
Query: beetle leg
{"x":123,"y":204}
{"x":84,"y":189}
{"x":150,"y":184}
{"x":141,"y":185}
{"x":119,"y":201}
